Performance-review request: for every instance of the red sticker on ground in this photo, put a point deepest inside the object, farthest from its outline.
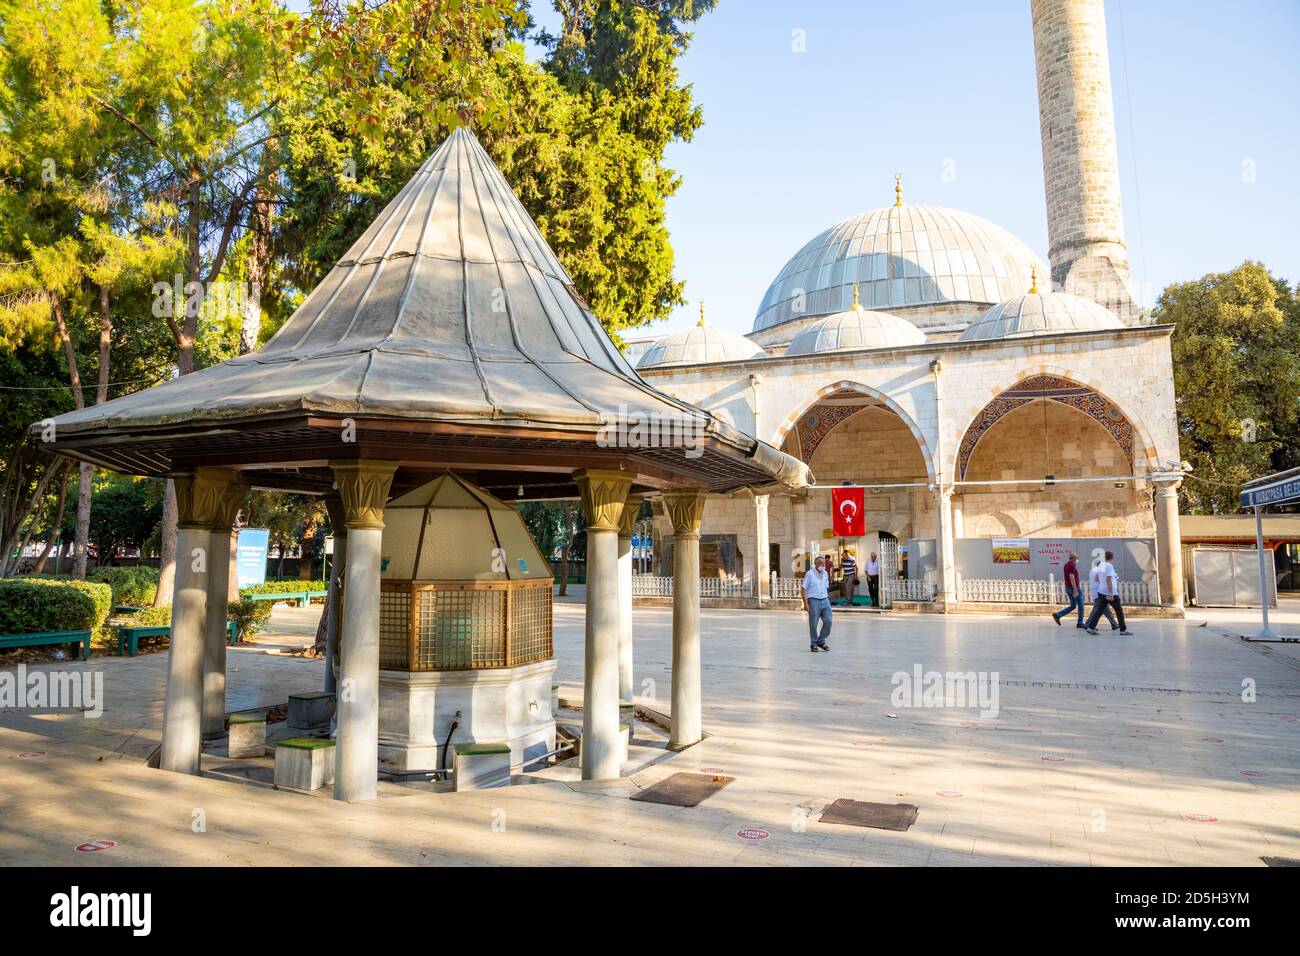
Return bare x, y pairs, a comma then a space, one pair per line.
969, 723
32, 753
713, 770
864, 743
753, 833
1200, 818
1052, 758
1213, 740
948, 793
1253, 773
94, 846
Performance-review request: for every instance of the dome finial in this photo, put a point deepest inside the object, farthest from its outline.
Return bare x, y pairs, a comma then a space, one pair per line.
856, 303
1033, 279
898, 189
701, 322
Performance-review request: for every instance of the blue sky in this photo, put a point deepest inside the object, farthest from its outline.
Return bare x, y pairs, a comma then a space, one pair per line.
794, 142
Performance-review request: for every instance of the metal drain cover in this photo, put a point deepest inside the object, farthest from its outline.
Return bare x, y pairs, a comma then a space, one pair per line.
684, 789
882, 816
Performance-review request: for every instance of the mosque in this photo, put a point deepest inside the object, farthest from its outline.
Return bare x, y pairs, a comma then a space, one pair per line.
988, 403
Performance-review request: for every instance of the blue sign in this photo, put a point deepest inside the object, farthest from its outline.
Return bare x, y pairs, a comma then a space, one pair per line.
1286, 491
250, 556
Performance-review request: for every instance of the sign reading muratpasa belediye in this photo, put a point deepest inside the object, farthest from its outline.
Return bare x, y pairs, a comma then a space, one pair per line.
1284, 490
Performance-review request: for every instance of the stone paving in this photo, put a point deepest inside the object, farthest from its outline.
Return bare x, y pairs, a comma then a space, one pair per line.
1104, 751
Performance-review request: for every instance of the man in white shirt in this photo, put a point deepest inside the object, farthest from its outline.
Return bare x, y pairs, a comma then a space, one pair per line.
817, 602
872, 571
1105, 594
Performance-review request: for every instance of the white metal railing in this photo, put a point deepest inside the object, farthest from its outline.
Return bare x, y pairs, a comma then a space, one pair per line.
654, 585
1039, 591
903, 589
786, 589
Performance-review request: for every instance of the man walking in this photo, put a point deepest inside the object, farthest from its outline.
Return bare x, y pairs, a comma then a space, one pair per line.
1072, 591
1105, 589
849, 568
872, 567
817, 602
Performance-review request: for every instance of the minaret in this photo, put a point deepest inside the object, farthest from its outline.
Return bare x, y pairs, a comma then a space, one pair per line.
1085, 224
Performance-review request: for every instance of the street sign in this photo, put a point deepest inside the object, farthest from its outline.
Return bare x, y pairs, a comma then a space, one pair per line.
250, 556
1282, 489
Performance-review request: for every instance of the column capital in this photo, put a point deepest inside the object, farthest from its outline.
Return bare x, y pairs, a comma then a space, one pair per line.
363, 491
761, 502
686, 511
631, 508
203, 498
1166, 486
603, 493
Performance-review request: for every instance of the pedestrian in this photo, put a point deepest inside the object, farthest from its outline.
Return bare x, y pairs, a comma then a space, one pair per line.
1073, 591
849, 566
817, 602
872, 567
1105, 589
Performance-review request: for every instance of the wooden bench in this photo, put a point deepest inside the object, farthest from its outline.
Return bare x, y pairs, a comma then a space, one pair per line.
129, 638
302, 597
49, 637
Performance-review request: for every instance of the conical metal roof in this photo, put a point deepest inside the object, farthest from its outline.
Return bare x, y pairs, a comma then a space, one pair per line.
450, 308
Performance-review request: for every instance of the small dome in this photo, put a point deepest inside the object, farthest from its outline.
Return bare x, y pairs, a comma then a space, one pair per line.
1040, 313
858, 328
700, 345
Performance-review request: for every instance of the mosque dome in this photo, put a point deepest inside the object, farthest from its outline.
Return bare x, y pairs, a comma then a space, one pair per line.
700, 345
858, 328
902, 256
1040, 313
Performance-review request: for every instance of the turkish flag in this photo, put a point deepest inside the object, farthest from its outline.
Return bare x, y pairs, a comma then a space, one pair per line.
849, 508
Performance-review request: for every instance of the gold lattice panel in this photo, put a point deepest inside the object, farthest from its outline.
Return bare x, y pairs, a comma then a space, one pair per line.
394, 627
530, 624
459, 628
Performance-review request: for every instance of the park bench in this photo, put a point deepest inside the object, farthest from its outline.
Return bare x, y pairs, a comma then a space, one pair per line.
129, 638
49, 637
302, 597
126, 609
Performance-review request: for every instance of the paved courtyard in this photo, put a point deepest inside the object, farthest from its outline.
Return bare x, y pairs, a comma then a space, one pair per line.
1103, 751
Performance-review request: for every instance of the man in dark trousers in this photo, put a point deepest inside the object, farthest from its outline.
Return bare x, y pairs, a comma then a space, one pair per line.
1105, 592
849, 568
872, 569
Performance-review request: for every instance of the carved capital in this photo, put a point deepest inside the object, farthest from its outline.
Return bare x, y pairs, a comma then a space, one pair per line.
760, 503
202, 498
603, 493
228, 506
686, 510
631, 508
363, 491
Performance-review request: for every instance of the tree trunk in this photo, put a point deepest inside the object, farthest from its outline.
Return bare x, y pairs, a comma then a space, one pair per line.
568, 544
167, 548
81, 538
259, 249
56, 529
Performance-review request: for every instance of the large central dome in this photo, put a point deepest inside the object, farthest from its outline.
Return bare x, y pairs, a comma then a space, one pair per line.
903, 256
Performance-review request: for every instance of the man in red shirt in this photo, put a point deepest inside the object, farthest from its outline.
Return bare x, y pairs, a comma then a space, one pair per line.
1072, 591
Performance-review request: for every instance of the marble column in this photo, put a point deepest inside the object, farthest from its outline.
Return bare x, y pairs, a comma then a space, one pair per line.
945, 592
799, 511
686, 510
762, 545
363, 491
198, 500
215, 635
603, 493
1169, 543
626, 681
338, 566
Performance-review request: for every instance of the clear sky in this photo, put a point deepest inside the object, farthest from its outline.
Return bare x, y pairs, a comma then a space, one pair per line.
1206, 108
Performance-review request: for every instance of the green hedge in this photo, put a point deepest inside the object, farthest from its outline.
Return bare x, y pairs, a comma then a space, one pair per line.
134, 586
30, 605
160, 616
281, 587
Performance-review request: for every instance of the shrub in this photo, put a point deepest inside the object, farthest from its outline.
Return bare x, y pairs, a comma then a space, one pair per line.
29, 605
160, 616
249, 616
134, 586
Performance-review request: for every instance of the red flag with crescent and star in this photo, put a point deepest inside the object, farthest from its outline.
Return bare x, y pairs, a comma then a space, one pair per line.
849, 508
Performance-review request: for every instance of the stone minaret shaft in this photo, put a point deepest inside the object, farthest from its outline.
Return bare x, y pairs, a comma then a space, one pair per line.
1085, 224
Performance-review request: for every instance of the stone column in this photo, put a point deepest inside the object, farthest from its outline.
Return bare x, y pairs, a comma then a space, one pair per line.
762, 543
799, 512
603, 495
626, 682
686, 509
945, 591
338, 522
363, 491
1169, 543
215, 634
198, 500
